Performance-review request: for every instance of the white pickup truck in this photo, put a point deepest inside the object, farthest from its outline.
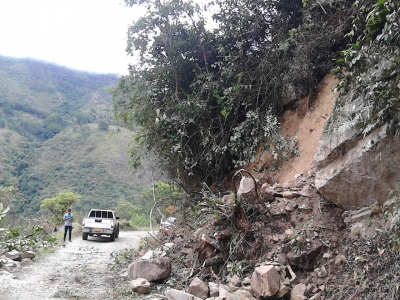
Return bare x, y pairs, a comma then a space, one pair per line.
100, 222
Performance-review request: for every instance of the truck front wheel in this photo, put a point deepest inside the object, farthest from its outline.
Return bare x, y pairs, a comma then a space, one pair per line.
84, 236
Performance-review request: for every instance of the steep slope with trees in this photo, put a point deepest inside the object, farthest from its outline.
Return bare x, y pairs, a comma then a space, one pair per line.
57, 134
224, 115
206, 98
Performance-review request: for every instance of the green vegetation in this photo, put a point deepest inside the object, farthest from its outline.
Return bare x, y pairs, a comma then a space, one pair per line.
57, 134
205, 99
155, 202
371, 62
59, 204
33, 237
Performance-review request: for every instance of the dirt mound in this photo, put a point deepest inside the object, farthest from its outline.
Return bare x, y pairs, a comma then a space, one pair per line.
289, 223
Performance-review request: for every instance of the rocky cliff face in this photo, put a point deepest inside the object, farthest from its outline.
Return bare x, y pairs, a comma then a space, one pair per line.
359, 171
358, 156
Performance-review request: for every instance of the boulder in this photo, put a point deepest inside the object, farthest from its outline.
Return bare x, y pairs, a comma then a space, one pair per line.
223, 292
26, 262
198, 288
240, 295
28, 254
14, 255
265, 281
283, 290
354, 171
173, 294
267, 192
214, 289
140, 285
298, 292
235, 280
247, 189
152, 269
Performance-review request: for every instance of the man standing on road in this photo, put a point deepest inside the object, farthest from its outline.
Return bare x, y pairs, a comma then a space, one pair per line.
68, 218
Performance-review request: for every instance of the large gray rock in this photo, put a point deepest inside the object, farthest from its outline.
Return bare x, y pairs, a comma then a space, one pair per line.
26, 262
214, 289
298, 292
265, 281
28, 254
152, 269
14, 255
247, 189
358, 172
173, 294
198, 288
240, 295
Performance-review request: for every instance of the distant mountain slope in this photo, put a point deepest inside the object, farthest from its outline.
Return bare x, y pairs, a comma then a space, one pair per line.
51, 141
82, 159
39, 99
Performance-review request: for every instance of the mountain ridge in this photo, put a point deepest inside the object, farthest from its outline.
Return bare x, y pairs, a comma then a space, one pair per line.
57, 134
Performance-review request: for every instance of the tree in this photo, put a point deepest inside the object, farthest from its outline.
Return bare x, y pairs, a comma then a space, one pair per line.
58, 205
103, 125
125, 211
204, 99
163, 193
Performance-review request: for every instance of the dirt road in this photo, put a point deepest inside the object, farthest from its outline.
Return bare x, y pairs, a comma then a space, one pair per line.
80, 270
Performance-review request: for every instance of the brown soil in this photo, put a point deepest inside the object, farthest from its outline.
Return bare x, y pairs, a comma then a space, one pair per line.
306, 121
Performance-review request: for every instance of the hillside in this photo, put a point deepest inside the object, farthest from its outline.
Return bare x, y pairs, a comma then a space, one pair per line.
313, 215
82, 159
56, 134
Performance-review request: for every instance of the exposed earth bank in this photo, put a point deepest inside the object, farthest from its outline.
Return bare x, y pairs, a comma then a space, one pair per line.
80, 270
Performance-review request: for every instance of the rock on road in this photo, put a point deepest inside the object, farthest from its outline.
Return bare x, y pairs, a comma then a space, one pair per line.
80, 270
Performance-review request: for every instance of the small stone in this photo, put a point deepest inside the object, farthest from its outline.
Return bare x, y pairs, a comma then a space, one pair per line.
26, 262
316, 297
235, 280
140, 285
198, 288
327, 255
290, 194
214, 289
376, 209
265, 281
289, 231
324, 273
176, 294
28, 254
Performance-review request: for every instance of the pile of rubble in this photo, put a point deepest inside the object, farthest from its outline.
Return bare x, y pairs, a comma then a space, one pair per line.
11, 260
284, 243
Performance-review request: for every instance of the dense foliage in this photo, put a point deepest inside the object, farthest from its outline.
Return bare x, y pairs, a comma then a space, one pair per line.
372, 65
56, 135
204, 96
59, 204
38, 100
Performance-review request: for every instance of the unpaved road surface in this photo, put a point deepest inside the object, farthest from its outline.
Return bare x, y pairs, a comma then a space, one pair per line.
80, 270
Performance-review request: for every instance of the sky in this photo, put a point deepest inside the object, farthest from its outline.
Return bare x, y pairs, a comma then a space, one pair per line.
87, 35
